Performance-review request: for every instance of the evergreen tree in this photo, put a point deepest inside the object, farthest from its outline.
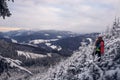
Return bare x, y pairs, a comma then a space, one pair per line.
4, 10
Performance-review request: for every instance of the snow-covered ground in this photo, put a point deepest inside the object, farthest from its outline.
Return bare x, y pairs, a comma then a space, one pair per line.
56, 47
53, 46
47, 34
48, 44
38, 41
30, 55
14, 41
59, 36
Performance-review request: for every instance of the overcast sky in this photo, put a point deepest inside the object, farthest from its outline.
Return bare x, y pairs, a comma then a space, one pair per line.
70, 15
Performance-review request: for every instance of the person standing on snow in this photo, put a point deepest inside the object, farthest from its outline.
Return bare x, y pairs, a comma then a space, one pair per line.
99, 47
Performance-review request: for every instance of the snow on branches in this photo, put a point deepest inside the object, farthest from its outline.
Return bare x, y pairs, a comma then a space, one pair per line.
8, 63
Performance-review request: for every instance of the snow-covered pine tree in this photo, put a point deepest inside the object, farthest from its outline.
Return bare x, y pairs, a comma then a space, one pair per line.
8, 63
4, 11
80, 66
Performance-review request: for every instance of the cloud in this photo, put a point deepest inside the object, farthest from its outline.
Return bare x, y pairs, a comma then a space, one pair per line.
72, 15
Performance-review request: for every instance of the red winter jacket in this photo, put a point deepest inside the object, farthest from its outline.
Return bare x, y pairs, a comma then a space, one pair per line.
102, 47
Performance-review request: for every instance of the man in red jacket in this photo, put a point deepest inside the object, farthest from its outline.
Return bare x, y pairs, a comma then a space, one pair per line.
99, 47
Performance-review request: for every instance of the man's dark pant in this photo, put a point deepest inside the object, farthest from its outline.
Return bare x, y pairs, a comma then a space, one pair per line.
98, 53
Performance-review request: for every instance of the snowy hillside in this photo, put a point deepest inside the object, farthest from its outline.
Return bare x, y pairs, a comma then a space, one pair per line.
82, 66
38, 41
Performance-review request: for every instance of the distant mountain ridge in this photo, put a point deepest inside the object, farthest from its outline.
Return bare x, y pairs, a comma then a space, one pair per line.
27, 35
61, 42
